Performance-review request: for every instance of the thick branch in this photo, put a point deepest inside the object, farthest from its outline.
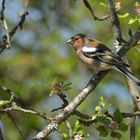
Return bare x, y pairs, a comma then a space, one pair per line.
115, 21
132, 86
134, 92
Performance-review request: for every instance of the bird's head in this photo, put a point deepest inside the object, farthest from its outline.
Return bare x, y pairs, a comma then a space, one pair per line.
77, 41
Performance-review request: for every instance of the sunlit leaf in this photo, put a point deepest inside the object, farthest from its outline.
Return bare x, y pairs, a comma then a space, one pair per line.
98, 108
123, 15
78, 130
65, 136
102, 101
4, 102
103, 4
132, 20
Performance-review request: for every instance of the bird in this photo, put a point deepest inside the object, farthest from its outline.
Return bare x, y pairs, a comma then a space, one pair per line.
98, 56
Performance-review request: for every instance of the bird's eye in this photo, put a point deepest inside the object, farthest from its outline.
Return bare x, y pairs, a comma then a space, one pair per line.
76, 39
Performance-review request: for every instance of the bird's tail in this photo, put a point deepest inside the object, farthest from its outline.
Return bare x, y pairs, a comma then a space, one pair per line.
129, 74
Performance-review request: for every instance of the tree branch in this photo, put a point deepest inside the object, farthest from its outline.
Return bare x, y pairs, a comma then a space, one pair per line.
132, 42
4, 24
87, 5
69, 130
1, 134
6, 38
134, 92
15, 107
16, 125
132, 128
115, 21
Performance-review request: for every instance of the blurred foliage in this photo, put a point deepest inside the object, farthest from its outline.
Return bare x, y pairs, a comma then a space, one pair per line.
38, 55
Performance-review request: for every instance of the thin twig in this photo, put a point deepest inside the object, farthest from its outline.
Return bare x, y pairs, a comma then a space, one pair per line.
132, 42
115, 22
18, 108
16, 125
81, 115
87, 120
134, 114
87, 5
8, 90
132, 128
4, 24
13, 96
69, 129
19, 25
63, 98
3, 41
1, 134
2, 10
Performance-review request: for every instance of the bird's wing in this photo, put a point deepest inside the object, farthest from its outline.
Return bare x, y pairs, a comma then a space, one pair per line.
103, 54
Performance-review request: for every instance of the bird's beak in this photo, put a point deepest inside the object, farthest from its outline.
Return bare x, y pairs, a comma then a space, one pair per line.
69, 41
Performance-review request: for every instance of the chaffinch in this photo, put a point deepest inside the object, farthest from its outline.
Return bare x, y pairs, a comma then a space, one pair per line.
97, 56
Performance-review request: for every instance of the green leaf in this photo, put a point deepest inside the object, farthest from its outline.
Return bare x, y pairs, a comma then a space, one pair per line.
103, 120
123, 127
98, 109
65, 136
94, 117
118, 116
123, 15
53, 92
102, 131
103, 4
96, 112
132, 20
67, 87
116, 135
102, 101
4, 102
77, 129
